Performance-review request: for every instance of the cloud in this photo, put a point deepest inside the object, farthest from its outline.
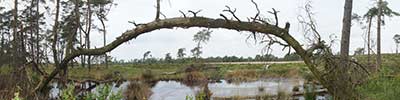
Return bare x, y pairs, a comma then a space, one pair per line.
226, 42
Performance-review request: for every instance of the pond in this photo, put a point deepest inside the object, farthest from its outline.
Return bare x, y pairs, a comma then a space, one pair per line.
175, 90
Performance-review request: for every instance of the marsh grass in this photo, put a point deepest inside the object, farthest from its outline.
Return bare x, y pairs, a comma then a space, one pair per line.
194, 78
103, 92
19, 81
380, 87
137, 91
385, 84
242, 75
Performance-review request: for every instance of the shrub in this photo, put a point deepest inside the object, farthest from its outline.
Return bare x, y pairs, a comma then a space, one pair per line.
148, 75
242, 75
380, 88
137, 91
194, 78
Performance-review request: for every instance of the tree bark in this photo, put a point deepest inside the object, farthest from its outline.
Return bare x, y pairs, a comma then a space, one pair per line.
344, 89
369, 40
104, 39
378, 39
88, 28
16, 46
187, 22
55, 35
37, 32
32, 30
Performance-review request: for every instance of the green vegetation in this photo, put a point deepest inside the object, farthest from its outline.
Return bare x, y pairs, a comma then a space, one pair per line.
380, 88
160, 71
137, 91
102, 93
227, 71
384, 85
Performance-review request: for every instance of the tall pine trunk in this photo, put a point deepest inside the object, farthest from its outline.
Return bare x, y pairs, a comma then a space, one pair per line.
378, 39
37, 32
369, 40
15, 36
55, 37
88, 28
344, 89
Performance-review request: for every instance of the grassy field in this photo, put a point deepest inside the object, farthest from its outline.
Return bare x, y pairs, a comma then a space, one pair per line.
385, 84
244, 72
382, 85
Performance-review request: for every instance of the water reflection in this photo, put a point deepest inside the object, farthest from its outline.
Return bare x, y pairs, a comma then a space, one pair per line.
257, 88
172, 90
175, 90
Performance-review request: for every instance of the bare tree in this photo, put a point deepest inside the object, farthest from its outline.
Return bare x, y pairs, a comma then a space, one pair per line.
200, 37
396, 39
256, 25
146, 55
88, 25
383, 10
181, 53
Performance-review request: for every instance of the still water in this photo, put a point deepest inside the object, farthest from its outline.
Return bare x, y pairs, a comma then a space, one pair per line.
175, 90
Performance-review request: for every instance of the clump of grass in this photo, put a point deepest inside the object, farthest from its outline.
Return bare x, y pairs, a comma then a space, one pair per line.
21, 81
261, 89
108, 76
282, 95
68, 93
7, 87
137, 91
194, 78
242, 75
309, 93
148, 75
205, 94
380, 88
104, 92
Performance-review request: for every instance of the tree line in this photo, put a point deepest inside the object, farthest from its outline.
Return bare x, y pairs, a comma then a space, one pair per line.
42, 31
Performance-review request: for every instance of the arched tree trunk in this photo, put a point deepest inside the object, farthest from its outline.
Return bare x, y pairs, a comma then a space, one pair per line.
187, 22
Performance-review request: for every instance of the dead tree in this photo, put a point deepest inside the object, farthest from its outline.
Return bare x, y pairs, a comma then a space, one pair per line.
256, 25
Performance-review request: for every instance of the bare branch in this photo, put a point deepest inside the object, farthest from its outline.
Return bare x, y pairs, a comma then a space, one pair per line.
275, 13
184, 15
194, 13
258, 10
158, 11
223, 16
232, 12
134, 23
165, 17
185, 23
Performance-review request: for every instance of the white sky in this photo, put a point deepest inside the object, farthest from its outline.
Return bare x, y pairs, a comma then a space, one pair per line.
328, 14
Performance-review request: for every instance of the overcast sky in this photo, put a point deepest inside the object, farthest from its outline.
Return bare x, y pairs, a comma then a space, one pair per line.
328, 14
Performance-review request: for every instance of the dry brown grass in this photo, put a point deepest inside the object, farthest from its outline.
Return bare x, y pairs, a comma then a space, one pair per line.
242, 75
137, 91
7, 87
19, 82
194, 78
